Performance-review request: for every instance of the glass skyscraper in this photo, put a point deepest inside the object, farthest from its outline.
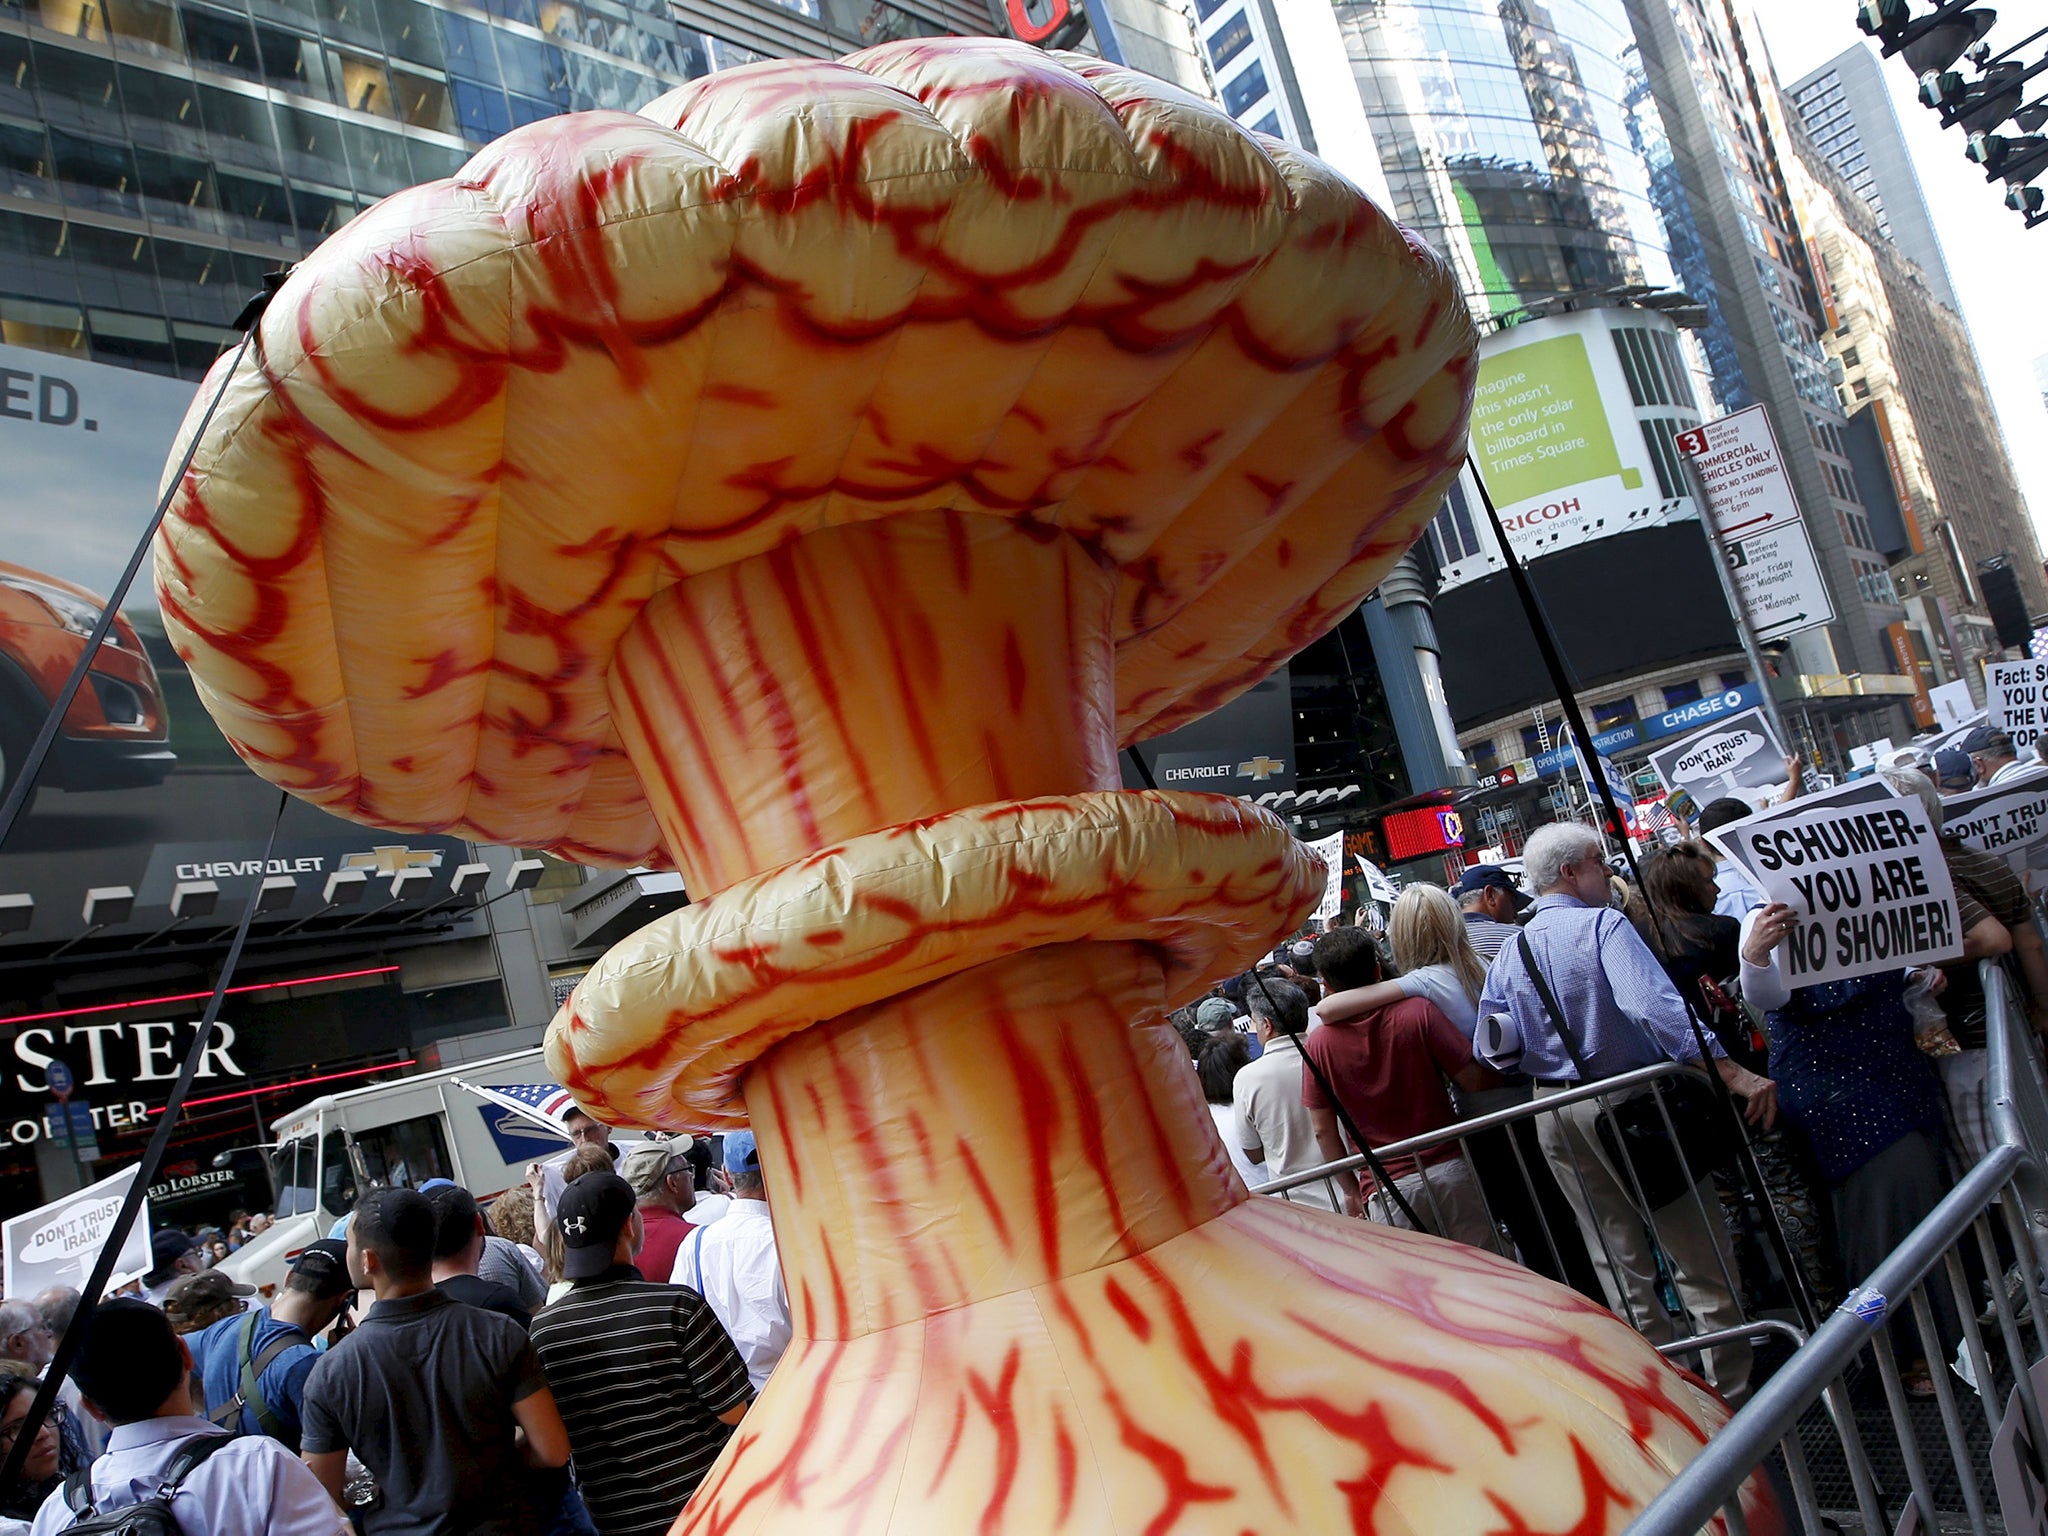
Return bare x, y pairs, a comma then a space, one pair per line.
1506, 130
157, 157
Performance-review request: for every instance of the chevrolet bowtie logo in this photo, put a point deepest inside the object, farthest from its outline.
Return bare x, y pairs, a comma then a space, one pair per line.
391, 858
1261, 768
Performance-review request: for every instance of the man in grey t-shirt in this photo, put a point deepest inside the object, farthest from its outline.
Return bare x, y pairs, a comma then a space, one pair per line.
444, 1403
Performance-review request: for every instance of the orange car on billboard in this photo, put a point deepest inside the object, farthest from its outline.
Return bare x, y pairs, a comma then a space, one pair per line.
116, 734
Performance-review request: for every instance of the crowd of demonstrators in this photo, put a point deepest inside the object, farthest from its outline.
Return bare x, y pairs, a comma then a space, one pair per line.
443, 1403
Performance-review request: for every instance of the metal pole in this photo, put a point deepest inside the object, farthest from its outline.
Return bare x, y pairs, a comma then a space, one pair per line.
1743, 627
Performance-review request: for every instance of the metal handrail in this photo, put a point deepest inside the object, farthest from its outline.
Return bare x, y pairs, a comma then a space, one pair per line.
1713, 1479
1457, 1130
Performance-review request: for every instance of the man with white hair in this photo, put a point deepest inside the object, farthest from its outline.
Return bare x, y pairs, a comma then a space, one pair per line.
1618, 1012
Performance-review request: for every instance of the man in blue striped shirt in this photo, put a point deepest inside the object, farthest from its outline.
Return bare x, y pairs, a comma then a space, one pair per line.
1622, 1013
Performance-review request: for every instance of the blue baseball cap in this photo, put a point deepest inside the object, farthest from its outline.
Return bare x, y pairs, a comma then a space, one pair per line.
741, 1155
1952, 770
433, 1184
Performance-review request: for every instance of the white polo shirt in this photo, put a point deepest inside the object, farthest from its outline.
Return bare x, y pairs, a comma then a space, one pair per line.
253, 1487
731, 1263
1266, 1099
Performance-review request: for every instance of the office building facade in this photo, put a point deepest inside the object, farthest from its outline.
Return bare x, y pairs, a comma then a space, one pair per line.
1910, 380
157, 157
1848, 110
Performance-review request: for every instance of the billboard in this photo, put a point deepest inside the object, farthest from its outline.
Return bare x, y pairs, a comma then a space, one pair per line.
1556, 438
1245, 748
1620, 606
141, 793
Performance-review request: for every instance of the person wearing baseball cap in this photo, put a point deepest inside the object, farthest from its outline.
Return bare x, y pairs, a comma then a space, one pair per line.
199, 1301
732, 1264
616, 1337
666, 1187
254, 1365
1490, 901
1991, 751
172, 1255
1952, 771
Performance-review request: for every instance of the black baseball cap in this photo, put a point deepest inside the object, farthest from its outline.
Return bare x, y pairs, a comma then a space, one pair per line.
1490, 877
591, 1214
324, 1265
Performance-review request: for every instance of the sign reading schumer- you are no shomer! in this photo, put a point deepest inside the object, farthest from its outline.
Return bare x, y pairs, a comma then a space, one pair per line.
1866, 878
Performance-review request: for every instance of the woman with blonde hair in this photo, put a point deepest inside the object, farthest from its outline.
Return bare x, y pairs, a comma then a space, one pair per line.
1432, 947
1437, 961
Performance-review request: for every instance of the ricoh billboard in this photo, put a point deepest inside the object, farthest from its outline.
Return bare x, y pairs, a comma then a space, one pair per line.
141, 794
1571, 418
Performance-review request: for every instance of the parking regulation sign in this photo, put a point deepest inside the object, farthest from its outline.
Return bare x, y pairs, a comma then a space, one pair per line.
1778, 581
1742, 473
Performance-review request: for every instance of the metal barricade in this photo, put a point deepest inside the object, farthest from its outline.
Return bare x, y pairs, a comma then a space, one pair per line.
1959, 1461
1669, 1271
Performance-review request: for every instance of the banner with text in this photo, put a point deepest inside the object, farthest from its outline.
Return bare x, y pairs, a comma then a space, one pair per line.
1868, 883
1731, 756
2011, 820
2016, 693
1331, 851
58, 1243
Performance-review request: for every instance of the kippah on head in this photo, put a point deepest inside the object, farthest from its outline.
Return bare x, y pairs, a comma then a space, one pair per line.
128, 1360
1724, 812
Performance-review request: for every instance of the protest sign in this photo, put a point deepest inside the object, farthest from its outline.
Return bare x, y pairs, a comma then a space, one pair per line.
1331, 851
57, 1244
1867, 882
1737, 753
1952, 704
2011, 820
2016, 694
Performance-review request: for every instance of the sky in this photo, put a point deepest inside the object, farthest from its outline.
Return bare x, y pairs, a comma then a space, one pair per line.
1991, 253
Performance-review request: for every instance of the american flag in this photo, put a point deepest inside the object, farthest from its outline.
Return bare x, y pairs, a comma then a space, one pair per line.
543, 1102
1657, 819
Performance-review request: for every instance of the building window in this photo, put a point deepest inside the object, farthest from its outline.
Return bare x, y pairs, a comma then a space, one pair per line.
1230, 39
1614, 712
1452, 528
1245, 89
1734, 679
1680, 693
1658, 433
1859, 389
1484, 756
1850, 359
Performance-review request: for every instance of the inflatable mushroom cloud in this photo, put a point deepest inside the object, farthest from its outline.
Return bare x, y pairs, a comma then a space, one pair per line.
811, 483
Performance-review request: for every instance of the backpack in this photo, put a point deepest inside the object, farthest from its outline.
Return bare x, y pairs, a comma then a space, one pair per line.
150, 1517
229, 1414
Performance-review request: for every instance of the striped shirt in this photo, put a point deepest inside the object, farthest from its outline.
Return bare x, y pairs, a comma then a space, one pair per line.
640, 1372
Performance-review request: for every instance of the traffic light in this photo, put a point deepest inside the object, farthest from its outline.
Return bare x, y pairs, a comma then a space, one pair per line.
1884, 20
1935, 42
2017, 160
1932, 43
1979, 106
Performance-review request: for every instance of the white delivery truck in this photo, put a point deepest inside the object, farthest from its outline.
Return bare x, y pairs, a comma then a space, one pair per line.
399, 1133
